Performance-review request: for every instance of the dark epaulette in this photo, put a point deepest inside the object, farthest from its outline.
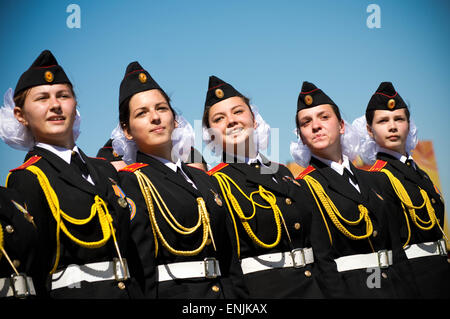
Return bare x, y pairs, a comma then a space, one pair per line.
32, 160
377, 166
216, 168
133, 167
305, 172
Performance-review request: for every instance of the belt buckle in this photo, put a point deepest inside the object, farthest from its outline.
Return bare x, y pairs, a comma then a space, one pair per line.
296, 254
211, 266
19, 284
383, 258
442, 247
120, 273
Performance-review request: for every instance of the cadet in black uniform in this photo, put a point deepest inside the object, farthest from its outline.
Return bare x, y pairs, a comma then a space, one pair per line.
18, 248
178, 224
351, 235
107, 152
270, 221
82, 220
420, 205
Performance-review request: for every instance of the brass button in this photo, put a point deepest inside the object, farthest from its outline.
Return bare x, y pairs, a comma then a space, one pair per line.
433, 201
215, 288
256, 166
16, 263
9, 229
121, 285
384, 275
307, 273
297, 226
288, 201
448, 260
375, 233
408, 163
122, 202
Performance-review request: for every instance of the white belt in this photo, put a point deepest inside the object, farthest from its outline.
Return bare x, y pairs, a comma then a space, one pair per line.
432, 248
296, 258
19, 286
73, 275
382, 259
207, 268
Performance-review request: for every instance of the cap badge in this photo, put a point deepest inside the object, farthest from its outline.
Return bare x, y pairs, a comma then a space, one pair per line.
391, 104
219, 93
142, 77
48, 76
308, 99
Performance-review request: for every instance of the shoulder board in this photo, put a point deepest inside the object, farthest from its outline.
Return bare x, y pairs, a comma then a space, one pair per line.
216, 168
32, 160
378, 166
305, 172
133, 167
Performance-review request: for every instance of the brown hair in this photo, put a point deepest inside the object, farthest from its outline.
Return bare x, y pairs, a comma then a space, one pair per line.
124, 109
370, 115
205, 121
19, 99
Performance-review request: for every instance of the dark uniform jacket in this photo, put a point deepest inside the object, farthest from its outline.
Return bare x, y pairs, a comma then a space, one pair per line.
432, 273
76, 196
19, 240
391, 282
288, 282
180, 197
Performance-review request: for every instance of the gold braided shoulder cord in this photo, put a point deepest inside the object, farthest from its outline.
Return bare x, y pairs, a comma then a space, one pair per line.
319, 194
150, 194
407, 205
98, 208
233, 205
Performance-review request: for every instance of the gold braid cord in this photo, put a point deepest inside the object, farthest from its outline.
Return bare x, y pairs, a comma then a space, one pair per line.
408, 206
151, 194
319, 194
233, 205
98, 208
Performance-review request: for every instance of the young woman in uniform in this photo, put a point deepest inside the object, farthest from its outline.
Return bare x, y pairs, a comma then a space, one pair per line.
83, 226
178, 218
270, 219
351, 230
389, 135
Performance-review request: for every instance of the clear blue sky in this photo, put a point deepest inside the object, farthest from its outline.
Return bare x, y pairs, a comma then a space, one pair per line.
266, 49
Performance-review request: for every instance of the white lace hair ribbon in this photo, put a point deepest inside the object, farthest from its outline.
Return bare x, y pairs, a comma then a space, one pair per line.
349, 143
368, 148
182, 141
16, 135
261, 134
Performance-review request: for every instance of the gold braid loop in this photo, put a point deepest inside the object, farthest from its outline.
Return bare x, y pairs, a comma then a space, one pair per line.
233, 205
407, 205
319, 194
99, 209
150, 194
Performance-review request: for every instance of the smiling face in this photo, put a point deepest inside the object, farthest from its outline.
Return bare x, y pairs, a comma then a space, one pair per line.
320, 130
49, 112
151, 123
233, 121
390, 129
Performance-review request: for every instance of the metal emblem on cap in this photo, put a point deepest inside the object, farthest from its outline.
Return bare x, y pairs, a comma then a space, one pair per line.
308, 99
391, 104
219, 93
48, 76
142, 77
